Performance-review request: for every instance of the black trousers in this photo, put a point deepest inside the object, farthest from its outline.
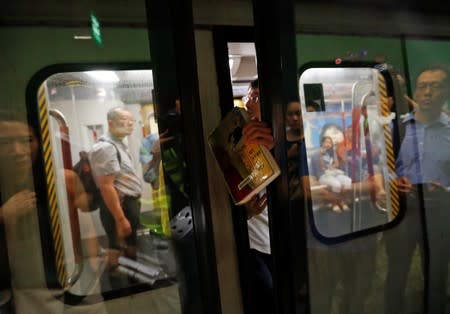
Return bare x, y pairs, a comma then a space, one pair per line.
412, 232
132, 208
261, 295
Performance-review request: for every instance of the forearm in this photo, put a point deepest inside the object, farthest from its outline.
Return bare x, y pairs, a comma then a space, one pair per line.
256, 205
366, 185
112, 202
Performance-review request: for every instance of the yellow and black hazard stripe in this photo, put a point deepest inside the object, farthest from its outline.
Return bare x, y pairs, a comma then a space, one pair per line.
51, 187
390, 156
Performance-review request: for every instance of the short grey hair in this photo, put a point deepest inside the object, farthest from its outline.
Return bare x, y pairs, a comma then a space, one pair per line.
113, 113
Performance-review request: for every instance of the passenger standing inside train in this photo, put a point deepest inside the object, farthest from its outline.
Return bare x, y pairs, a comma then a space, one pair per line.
423, 165
261, 295
296, 151
118, 182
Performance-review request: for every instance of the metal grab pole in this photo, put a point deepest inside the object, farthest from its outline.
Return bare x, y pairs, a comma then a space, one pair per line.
368, 142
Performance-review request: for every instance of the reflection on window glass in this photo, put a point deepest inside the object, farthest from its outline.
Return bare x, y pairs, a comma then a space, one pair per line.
110, 181
18, 151
346, 150
424, 177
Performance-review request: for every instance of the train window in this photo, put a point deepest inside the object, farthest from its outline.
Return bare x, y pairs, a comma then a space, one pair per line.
242, 62
99, 131
349, 147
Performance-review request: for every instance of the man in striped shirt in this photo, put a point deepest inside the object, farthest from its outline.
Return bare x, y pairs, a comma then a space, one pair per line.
118, 182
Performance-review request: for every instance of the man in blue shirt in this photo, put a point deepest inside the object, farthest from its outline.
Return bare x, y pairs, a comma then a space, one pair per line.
150, 156
423, 169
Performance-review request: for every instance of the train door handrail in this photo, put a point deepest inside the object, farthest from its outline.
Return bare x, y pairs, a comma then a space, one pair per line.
74, 221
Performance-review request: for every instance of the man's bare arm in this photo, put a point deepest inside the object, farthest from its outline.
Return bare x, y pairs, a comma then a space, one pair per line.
112, 201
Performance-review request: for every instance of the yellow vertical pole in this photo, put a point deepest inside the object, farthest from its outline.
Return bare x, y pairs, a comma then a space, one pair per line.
390, 156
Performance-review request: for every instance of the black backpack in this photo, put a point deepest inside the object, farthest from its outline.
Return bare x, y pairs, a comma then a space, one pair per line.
84, 170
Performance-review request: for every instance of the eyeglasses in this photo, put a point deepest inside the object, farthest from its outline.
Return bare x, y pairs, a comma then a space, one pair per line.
127, 120
247, 98
433, 86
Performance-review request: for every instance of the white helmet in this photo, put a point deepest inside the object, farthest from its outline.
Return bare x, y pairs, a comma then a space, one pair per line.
181, 224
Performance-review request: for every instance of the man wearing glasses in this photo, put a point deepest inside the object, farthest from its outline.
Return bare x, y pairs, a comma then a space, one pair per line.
423, 169
261, 295
118, 182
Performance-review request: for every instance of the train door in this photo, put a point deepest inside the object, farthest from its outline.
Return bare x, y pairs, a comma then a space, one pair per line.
354, 235
382, 237
360, 272
286, 258
61, 253
345, 113
235, 61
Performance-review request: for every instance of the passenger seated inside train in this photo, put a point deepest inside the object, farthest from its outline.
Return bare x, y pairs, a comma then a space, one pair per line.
325, 166
339, 167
